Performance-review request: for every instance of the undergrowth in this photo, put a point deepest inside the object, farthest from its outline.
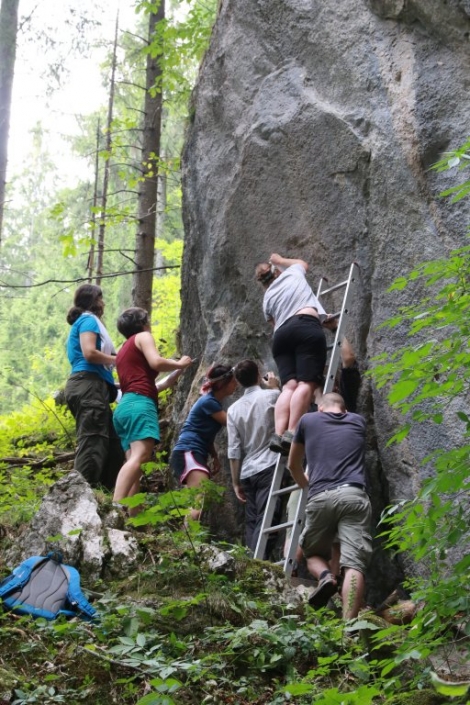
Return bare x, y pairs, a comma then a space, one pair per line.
175, 632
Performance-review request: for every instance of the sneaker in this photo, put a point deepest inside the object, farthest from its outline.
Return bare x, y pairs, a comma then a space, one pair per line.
275, 444
286, 440
325, 589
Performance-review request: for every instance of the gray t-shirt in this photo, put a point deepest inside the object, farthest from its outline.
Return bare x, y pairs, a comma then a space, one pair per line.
287, 294
334, 448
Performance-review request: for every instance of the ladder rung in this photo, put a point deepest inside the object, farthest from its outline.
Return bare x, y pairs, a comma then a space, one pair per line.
333, 288
285, 490
278, 527
334, 351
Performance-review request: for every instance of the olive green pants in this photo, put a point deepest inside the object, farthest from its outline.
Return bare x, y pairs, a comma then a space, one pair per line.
99, 453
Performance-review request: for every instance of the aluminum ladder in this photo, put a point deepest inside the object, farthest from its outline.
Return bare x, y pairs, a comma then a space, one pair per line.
276, 490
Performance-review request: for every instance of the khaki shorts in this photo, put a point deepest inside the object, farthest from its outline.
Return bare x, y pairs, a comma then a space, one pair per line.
342, 514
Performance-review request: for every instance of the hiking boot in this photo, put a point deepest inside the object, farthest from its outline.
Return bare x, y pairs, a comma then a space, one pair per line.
286, 440
275, 444
325, 589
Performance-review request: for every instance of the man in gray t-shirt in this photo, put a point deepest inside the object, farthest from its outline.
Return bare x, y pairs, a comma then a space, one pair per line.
333, 442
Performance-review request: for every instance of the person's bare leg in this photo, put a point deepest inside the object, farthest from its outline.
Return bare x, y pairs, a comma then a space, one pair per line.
327, 585
300, 402
140, 452
135, 489
317, 395
335, 557
352, 592
316, 566
282, 408
194, 479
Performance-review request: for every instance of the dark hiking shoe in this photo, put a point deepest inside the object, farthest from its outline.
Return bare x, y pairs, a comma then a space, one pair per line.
325, 589
275, 444
286, 440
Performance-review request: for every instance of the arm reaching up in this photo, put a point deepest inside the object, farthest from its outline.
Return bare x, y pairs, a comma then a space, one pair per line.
285, 262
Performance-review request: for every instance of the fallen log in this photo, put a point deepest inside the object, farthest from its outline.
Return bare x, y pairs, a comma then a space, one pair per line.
48, 462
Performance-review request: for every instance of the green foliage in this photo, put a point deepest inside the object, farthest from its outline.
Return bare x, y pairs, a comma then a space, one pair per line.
35, 433
166, 299
47, 223
436, 366
168, 509
428, 380
180, 44
453, 690
457, 158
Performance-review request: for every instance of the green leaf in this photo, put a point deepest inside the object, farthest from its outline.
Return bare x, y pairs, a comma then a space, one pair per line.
298, 688
401, 390
361, 624
141, 640
449, 688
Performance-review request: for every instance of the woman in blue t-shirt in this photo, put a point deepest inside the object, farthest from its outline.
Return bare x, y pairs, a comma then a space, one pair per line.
90, 389
189, 460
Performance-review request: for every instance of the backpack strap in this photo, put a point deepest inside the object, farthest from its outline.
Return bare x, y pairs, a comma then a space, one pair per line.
75, 595
20, 576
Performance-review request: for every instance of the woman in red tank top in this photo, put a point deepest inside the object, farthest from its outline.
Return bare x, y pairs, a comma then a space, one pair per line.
138, 364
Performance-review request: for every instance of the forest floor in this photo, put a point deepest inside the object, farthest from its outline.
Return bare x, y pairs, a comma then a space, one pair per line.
176, 633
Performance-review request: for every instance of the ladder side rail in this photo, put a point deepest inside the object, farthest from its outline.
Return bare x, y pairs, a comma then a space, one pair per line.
320, 284
332, 368
266, 527
345, 309
286, 524
270, 507
296, 531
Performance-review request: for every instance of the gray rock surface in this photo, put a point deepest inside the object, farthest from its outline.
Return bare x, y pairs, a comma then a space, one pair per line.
88, 537
314, 125
217, 561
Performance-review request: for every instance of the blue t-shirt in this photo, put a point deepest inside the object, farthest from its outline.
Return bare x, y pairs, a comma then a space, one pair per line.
200, 429
85, 324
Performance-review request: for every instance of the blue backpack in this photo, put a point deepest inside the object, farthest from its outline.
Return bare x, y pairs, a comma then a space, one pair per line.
44, 587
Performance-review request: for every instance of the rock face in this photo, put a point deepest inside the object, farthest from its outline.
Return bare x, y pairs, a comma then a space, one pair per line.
89, 538
313, 128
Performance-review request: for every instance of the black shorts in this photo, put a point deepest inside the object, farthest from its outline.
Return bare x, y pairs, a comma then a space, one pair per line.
299, 349
349, 383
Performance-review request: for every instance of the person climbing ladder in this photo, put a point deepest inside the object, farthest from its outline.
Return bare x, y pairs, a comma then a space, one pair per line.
299, 344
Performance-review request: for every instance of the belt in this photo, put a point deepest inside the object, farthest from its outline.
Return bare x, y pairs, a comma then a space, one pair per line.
357, 485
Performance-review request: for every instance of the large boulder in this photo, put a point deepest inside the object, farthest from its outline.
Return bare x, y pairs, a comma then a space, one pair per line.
313, 127
89, 536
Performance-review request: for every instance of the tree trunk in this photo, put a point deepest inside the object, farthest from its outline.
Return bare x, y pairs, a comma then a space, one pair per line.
8, 30
107, 163
147, 210
91, 254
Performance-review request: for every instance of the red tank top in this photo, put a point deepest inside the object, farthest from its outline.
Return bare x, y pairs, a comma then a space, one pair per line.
134, 372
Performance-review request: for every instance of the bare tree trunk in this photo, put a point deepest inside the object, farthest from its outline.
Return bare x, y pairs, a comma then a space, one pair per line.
8, 31
161, 197
147, 211
108, 147
91, 254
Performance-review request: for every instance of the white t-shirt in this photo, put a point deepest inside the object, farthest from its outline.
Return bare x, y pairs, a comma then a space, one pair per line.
289, 293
